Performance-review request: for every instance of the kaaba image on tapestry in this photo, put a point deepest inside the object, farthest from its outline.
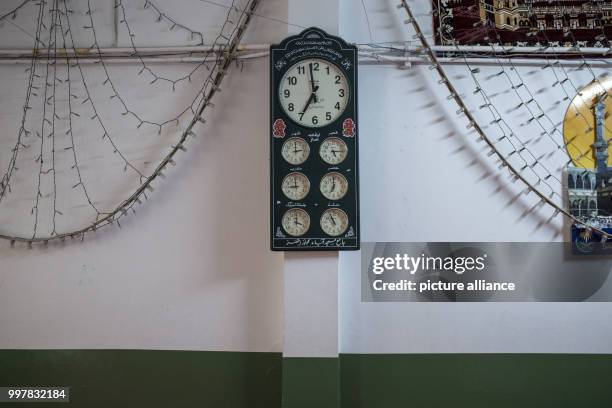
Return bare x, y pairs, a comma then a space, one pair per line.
565, 23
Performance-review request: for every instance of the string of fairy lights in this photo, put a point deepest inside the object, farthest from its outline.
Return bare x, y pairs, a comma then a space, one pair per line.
517, 173
5, 185
95, 115
560, 81
554, 66
55, 20
533, 99
518, 146
128, 110
65, 30
538, 114
12, 14
161, 16
60, 31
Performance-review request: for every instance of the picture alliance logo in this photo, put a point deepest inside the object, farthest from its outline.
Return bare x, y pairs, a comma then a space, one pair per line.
413, 265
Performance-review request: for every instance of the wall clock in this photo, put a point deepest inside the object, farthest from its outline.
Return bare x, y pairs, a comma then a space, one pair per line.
314, 144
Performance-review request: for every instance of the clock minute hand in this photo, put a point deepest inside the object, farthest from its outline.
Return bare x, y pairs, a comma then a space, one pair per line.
312, 83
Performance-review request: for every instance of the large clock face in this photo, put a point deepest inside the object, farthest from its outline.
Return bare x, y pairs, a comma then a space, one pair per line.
314, 92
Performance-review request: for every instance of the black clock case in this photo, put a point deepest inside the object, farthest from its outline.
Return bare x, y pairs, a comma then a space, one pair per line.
313, 43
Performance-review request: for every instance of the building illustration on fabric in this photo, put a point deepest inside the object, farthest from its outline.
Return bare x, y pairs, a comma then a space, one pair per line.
590, 191
589, 176
524, 22
517, 14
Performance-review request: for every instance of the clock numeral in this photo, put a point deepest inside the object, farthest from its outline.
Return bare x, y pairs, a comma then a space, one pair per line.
327, 69
292, 80
315, 120
301, 115
315, 66
290, 107
341, 93
338, 79
301, 70
337, 106
328, 116
287, 93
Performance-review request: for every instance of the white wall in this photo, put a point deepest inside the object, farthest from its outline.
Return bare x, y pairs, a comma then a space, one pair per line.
192, 269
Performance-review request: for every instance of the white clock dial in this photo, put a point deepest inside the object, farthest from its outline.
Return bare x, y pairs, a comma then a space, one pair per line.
333, 150
334, 222
295, 150
296, 222
295, 186
334, 186
314, 92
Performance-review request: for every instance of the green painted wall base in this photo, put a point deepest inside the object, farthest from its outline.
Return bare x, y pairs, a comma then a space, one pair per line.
311, 382
476, 381
132, 378
139, 378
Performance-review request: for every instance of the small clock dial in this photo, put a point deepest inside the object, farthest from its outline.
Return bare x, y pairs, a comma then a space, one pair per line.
295, 150
296, 222
333, 150
295, 186
334, 186
334, 222
314, 92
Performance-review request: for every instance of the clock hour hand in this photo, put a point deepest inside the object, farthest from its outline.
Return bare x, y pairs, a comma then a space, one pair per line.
309, 101
295, 149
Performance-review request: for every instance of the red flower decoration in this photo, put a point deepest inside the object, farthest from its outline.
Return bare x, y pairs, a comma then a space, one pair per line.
348, 127
278, 129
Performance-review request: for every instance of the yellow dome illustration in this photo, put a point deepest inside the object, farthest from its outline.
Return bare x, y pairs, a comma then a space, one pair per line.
579, 132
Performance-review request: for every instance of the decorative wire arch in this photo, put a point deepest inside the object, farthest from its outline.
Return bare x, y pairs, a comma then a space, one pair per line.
54, 18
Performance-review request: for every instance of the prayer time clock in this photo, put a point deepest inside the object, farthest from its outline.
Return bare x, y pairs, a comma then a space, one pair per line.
314, 144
